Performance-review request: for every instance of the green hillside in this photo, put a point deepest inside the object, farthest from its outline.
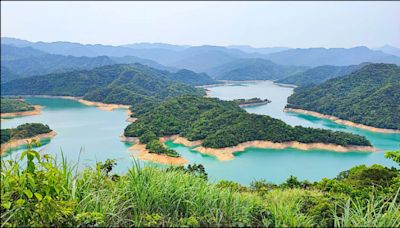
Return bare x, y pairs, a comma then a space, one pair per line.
318, 75
370, 96
252, 69
223, 124
122, 84
192, 78
26, 130
14, 105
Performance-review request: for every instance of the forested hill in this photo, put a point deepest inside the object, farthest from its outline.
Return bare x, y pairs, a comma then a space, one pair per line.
253, 69
192, 78
223, 124
370, 96
319, 74
122, 84
15, 105
23, 131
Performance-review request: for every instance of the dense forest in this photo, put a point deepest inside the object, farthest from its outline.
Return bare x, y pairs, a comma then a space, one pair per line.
253, 69
318, 75
15, 105
370, 96
223, 124
26, 130
122, 84
46, 192
192, 78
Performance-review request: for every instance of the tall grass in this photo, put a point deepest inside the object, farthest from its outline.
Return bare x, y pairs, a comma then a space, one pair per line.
376, 212
286, 207
147, 196
47, 193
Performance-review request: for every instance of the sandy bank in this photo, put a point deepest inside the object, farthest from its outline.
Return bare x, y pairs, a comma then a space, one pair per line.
180, 140
103, 106
37, 110
49, 96
343, 122
227, 153
123, 138
144, 154
19, 142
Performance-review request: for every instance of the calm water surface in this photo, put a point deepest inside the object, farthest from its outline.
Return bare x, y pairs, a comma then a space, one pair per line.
95, 133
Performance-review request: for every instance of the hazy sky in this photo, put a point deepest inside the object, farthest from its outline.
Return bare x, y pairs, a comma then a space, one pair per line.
260, 24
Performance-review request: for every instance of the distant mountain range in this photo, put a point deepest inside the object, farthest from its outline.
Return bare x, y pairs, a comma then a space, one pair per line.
389, 50
204, 58
370, 96
331, 56
20, 62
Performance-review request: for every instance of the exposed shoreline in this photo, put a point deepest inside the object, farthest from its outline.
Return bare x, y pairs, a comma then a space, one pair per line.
99, 105
341, 121
36, 111
227, 153
19, 142
104, 106
144, 154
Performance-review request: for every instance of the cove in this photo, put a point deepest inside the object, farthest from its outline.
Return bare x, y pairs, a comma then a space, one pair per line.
97, 132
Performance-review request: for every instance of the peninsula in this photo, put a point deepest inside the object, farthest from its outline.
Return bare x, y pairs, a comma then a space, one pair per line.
17, 107
21, 135
214, 126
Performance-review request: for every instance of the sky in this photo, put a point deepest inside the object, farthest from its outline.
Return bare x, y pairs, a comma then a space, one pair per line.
259, 24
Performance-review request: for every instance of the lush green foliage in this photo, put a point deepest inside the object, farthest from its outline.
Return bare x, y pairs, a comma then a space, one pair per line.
122, 84
318, 75
369, 96
14, 105
192, 78
26, 130
46, 193
394, 155
223, 123
155, 146
253, 69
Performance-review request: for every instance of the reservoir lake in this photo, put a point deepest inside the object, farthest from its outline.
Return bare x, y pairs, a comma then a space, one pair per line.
86, 134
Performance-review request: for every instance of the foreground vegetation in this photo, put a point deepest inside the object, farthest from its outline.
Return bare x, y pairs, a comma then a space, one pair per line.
15, 105
352, 97
223, 124
43, 192
24, 131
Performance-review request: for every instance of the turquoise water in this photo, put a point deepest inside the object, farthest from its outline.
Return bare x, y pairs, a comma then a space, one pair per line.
96, 132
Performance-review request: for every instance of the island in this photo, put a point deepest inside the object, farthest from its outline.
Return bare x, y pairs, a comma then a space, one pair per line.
251, 102
13, 107
368, 98
220, 128
24, 133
